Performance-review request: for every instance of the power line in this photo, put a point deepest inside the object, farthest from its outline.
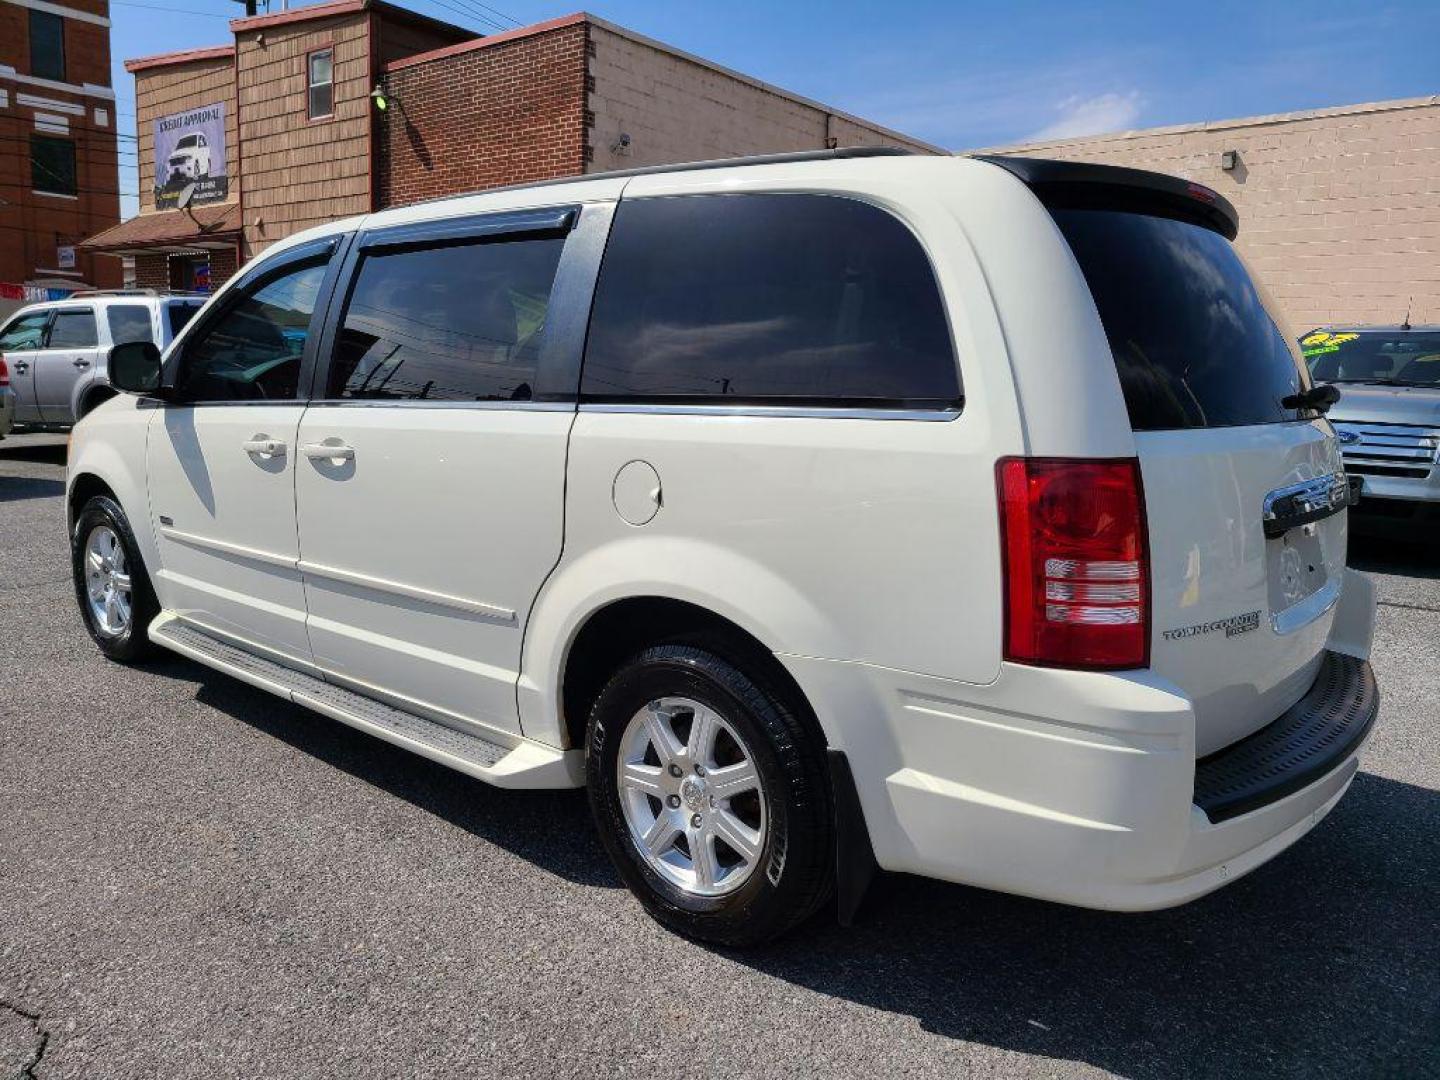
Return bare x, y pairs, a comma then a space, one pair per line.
175, 10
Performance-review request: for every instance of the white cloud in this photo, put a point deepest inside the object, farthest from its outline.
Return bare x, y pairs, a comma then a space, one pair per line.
1092, 116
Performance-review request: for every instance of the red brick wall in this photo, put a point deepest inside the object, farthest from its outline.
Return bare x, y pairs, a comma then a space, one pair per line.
505, 113
33, 226
158, 272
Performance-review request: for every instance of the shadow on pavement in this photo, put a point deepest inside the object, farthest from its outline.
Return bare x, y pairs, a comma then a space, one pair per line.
1418, 558
539, 826
17, 488
50, 452
1324, 962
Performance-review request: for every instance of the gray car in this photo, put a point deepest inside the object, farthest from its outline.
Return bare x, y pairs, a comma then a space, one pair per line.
58, 353
1388, 416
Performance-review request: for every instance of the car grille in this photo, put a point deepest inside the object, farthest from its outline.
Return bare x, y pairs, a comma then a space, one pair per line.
1399, 450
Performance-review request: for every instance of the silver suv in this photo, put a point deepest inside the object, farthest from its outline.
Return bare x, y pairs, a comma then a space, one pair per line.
58, 353
1388, 415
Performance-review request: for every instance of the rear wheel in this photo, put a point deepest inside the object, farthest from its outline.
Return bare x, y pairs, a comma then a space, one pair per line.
111, 586
710, 797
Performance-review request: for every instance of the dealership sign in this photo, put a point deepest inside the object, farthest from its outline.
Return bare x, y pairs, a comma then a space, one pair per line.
190, 153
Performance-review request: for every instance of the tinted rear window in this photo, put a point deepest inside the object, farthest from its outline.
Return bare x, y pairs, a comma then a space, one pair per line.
129, 322
180, 314
780, 299
1194, 342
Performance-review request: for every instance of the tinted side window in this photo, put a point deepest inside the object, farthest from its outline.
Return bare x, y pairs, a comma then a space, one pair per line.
253, 351
460, 323
767, 298
26, 332
73, 330
129, 322
179, 315
1194, 342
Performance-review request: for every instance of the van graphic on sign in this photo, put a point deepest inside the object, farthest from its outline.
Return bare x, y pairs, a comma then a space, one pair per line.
191, 159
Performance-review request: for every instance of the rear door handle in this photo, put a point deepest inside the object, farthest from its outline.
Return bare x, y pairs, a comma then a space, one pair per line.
21, 367
264, 447
329, 452
78, 362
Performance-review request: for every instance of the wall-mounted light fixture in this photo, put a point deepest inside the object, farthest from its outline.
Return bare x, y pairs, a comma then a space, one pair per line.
379, 98
1229, 159
622, 144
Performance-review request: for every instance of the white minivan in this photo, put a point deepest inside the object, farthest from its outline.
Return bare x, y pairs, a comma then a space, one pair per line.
972, 518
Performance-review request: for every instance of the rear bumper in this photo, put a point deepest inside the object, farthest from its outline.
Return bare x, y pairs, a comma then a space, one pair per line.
1082, 787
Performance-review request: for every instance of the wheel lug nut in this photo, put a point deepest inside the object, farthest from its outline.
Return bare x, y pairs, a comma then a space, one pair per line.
676, 771
673, 801
695, 821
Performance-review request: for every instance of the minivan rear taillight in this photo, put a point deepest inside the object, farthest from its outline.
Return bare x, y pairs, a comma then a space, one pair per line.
1077, 574
4, 373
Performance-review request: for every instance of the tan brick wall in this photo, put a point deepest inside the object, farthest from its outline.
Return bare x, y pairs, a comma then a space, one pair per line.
506, 113
1339, 208
175, 88
679, 108
300, 172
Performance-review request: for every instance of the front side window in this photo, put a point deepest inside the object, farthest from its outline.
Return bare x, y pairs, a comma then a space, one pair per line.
320, 83
47, 45
459, 323
129, 322
73, 330
52, 165
25, 333
778, 299
254, 350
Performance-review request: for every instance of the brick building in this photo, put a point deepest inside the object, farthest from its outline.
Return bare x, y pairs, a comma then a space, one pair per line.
1339, 208
58, 162
293, 102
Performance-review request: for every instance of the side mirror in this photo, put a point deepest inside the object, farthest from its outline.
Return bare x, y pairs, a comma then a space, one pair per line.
135, 367
1319, 398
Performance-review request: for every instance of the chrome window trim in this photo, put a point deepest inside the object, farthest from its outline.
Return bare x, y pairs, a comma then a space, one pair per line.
808, 412
412, 403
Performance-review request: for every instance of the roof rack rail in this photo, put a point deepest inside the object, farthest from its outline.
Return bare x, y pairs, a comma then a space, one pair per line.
86, 293
692, 166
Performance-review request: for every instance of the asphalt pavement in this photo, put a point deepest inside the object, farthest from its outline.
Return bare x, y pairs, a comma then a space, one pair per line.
200, 880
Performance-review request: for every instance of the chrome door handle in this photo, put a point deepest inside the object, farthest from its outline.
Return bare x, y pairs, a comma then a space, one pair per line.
329, 452
21, 367
80, 363
264, 447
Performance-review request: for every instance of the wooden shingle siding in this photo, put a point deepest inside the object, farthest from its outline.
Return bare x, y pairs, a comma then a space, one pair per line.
301, 172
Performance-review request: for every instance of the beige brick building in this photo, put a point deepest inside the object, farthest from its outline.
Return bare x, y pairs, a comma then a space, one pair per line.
1339, 208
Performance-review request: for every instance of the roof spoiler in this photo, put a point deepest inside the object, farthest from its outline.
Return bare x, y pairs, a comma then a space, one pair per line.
1081, 185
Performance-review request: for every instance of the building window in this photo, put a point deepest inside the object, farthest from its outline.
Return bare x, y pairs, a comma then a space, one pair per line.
52, 165
320, 83
47, 45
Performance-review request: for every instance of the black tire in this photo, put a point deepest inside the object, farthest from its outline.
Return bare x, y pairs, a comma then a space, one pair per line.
795, 874
133, 644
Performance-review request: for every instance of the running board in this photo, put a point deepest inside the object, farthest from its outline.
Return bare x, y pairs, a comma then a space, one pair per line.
522, 763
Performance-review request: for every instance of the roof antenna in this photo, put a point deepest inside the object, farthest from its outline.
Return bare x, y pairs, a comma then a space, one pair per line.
1406, 324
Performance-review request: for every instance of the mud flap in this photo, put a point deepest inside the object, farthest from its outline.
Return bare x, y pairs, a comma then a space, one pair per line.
855, 864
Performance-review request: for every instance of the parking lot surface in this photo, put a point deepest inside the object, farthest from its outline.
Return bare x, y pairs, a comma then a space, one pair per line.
198, 879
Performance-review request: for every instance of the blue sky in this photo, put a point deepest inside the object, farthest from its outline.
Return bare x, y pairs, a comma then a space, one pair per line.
965, 75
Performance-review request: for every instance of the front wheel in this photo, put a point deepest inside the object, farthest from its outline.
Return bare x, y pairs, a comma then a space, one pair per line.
111, 586
710, 796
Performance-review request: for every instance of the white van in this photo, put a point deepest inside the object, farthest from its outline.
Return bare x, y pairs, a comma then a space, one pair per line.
972, 518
